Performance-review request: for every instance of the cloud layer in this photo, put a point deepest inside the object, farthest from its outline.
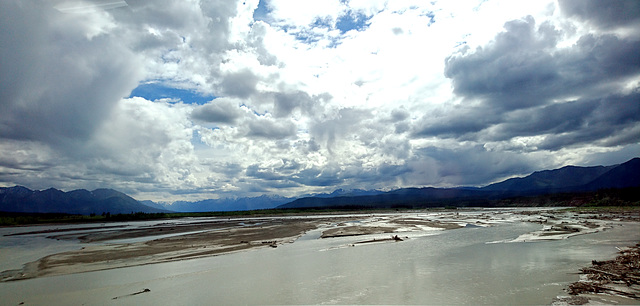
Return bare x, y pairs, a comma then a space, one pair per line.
276, 97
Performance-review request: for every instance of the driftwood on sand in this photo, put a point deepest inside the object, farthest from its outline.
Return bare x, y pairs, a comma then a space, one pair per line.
132, 294
619, 276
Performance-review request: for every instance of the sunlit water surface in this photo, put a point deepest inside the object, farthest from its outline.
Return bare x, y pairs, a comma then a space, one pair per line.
447, 267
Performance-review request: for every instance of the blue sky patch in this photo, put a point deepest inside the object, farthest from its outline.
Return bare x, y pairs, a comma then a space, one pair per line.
155, 91
261, 12
308, 37
352, 21
432, 18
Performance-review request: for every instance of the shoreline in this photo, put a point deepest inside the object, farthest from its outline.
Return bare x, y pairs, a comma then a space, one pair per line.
617, 278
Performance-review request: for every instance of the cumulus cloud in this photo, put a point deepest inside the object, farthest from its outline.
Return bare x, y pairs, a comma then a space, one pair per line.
288, 101
301, 98
602, 13
269, 128
591, 119
521, 83
218, 111
508, 72
52, 93
455, 121
240, 84
522, 68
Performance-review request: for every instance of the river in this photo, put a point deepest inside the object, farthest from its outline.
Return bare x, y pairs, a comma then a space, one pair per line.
460, 266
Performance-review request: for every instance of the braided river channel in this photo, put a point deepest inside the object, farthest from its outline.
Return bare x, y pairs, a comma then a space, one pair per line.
468, 265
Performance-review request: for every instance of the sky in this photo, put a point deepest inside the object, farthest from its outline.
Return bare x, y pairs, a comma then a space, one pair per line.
186, 100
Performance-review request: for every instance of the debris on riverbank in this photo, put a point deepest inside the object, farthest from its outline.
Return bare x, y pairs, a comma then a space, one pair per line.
132, 294
377, 240
616, 277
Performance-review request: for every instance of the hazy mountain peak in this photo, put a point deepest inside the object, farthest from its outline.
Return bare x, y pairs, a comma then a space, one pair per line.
80, 201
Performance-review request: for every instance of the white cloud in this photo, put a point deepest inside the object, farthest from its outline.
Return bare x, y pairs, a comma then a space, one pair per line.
303, 13
303, 107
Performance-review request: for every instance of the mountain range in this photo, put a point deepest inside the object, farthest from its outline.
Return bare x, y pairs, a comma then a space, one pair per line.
230, 204
83, 202
250, 203
569, 179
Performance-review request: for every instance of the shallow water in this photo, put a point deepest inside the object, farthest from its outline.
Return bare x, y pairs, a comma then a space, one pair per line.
443, 267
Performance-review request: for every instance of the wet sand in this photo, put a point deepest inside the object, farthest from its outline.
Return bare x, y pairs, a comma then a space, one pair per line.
171, 242
211, 238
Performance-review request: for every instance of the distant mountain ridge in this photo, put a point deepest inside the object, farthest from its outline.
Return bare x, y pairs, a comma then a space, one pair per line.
347, 193
250, 203
565, 179
403, 197
81, 201
623, 176
229, 204
572, 178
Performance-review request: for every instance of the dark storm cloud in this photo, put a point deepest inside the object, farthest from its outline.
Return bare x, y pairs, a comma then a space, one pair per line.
605, 14
51, 93
519, 83
574, 122
522, 68
455, 122
611, 117
218, 111
596, 66
554, 118
509, 72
